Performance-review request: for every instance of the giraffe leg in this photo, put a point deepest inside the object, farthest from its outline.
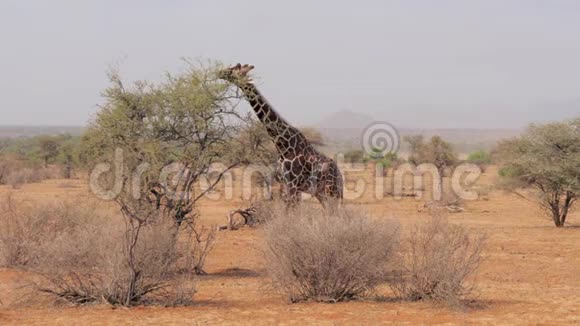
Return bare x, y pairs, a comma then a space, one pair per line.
291, 196
329, 192
329, 203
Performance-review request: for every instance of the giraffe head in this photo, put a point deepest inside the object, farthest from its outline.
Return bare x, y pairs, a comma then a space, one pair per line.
237, 74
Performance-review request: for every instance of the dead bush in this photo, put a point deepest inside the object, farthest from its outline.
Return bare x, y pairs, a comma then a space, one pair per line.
15, 239
449, 202
19, 175
85, 255
311, 255
264, 210
37, 235
200, 241
181, 292
17, 178
258, 213
149, 276
7, 163
437, 259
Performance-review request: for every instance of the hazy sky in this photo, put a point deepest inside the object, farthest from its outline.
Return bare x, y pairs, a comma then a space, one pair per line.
413, 63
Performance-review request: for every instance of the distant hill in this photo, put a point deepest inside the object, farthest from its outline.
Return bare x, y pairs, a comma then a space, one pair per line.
31, 131
345, 119
343, 131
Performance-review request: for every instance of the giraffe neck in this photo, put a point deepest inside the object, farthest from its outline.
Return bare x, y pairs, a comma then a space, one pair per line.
288, 140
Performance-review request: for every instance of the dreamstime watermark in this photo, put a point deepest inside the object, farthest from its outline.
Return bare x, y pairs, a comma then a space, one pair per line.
240, 183
380, 138
370, 181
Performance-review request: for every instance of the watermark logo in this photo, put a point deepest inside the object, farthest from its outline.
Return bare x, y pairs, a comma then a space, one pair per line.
380, 138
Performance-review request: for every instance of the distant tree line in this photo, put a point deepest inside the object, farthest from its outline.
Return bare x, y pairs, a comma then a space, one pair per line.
43, 149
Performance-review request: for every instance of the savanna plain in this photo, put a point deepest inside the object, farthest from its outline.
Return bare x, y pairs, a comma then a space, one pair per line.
528, 273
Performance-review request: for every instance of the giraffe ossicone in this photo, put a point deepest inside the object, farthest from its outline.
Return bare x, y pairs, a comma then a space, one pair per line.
304, 169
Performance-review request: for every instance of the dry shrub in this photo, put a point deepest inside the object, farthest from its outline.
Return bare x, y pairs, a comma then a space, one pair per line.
17, 178
141, 266
258, 213
17, 236
146, 276
181, 292
199, 242
85, 255
16, 173
448, 203
311, 255
37, 235
264, 210
51, 172
437, 259
8, 163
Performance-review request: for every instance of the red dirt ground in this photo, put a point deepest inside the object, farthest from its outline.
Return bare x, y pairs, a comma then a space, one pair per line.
530, 276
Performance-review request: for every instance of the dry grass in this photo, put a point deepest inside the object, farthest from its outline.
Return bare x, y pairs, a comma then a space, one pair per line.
437, 260
264, 210
329, 258
521, 280
16, 173
84, 256
200, 241
44, 235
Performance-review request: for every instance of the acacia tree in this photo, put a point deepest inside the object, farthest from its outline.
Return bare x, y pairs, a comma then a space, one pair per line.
355, 156
49, 148
256, 140
162, 138
416, 144
546, 158
436, 151
480, 157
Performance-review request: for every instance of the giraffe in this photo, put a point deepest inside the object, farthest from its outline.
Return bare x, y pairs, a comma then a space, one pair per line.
304, 169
